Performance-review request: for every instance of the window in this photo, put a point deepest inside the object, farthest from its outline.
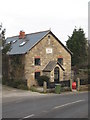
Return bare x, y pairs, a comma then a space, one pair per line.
9, 42
49, 40
37, 61
49, 37
23, 43
14, 41
37, 74
56, 74
60, 60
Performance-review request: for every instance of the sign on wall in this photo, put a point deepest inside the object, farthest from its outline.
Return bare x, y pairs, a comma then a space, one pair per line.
48, 50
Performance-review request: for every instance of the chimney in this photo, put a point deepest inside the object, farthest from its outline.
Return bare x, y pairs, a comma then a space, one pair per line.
21, 35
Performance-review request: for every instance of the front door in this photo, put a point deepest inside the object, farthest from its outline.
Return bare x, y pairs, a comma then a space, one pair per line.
56, 75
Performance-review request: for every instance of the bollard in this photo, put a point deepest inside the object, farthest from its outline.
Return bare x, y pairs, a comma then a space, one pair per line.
44, 86
71, 84
78, 84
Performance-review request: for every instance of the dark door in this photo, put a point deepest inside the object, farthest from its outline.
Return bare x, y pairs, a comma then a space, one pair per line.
56, 75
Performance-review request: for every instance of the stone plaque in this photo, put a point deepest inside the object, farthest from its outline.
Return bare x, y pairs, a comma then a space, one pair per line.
48, 50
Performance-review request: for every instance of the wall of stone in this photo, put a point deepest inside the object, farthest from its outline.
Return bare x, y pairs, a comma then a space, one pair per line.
48, 50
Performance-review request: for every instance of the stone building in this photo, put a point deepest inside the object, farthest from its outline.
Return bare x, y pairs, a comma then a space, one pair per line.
42, 53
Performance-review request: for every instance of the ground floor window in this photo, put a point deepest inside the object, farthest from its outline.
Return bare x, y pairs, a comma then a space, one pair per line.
37, 74
56, 74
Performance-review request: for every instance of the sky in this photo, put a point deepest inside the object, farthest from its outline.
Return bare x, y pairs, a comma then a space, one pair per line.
61, 16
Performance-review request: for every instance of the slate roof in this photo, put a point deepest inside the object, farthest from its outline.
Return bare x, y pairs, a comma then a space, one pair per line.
31, 40
51, 65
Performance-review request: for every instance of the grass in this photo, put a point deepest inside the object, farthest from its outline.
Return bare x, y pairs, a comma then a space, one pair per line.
63, 89
35, 89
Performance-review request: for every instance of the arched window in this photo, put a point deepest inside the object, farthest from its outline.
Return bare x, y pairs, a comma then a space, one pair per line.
56, 75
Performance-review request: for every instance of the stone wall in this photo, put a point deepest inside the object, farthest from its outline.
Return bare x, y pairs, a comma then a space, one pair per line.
48, 50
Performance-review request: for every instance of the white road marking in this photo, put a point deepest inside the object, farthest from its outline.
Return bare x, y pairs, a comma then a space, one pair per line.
29, 116
68, 104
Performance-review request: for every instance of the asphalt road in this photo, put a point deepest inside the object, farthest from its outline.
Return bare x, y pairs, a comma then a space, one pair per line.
71, 105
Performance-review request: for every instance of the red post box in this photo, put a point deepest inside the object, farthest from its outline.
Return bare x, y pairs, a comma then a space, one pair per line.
74, 85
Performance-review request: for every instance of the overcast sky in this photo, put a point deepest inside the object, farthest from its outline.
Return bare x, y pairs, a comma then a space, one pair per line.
37, 15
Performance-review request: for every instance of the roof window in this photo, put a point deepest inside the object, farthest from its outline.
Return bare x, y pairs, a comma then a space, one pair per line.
9, 42
14, 41
23, 43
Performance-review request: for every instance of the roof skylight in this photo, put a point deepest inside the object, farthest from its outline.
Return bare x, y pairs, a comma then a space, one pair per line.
14, 41
9, 42
23, 43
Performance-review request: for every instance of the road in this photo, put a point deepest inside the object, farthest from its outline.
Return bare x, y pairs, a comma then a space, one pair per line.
71, 105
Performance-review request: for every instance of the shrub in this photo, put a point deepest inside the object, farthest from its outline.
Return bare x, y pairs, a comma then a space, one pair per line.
21, 84
3, 81
33, 89
41, 79
7, 82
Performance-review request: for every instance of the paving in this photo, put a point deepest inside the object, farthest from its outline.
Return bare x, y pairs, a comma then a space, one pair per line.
6, 91
8, 94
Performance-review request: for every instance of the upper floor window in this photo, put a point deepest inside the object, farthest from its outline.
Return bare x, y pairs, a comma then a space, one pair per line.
23, 43
49, 39
37, 61
60, 60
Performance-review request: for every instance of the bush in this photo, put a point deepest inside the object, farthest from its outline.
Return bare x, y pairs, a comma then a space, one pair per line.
21, 84
41, 79
36, 89
7, 82
33, 89
3, 81
17, 83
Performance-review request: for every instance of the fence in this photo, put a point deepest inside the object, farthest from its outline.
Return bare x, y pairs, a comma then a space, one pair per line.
65, 83
84, 81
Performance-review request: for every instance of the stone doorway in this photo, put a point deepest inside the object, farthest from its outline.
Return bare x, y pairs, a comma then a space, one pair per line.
56, 75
